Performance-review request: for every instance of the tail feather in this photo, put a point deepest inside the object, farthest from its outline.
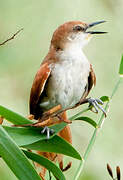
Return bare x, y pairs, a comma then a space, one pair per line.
65, 134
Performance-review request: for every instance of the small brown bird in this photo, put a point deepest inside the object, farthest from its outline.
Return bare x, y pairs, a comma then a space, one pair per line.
64, 78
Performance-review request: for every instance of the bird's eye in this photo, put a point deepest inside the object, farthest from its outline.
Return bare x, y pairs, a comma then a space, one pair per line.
78, 28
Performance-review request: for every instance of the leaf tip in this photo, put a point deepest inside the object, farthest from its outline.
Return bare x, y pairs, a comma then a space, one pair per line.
121, 67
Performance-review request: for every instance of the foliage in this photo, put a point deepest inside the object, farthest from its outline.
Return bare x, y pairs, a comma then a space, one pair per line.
11, 138
99, 124
14, 139
31, 138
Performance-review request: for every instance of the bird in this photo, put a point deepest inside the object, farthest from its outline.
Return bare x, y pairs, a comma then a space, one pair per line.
65, 77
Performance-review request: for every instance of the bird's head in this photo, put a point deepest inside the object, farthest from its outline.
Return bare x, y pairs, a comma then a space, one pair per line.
73, 32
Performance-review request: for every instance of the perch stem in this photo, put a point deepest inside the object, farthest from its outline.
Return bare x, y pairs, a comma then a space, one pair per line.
93, 138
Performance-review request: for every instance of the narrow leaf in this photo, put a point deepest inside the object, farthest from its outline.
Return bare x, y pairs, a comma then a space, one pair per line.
121, 67
13, 117
31, 138
88, 120
55, 144
45, 163
15, 158
23, 136
28, 135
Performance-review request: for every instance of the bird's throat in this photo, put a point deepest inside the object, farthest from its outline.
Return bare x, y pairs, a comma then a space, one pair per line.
71, 52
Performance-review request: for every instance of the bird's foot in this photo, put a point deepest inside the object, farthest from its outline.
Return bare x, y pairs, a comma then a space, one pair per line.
96, 103
48, 131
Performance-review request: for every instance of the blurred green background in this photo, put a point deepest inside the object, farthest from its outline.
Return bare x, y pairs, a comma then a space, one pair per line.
21, 57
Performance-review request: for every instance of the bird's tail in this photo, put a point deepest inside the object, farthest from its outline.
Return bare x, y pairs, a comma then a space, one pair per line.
65, 134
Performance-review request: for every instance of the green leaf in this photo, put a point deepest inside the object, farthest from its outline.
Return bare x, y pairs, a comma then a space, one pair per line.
105, 98
31, 138
13, 117
58, 127
23, 136
121, 67
46, 163
55, 144
15, 158
88, 120
79, 113
28, 135
18, 119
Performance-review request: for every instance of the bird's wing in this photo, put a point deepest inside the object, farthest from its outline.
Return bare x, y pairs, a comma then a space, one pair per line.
91, 79
38, 86
91, 82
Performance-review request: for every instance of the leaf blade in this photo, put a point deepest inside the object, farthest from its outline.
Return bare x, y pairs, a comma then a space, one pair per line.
15, 158
88, 120
32, 138
13, 117
29, 135
121, 67
45, 163
55, 144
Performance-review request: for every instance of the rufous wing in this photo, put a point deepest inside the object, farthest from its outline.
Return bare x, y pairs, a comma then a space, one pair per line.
91, 82
91, 79
38, 86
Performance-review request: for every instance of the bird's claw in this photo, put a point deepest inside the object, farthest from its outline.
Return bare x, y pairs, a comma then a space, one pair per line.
96, 104
48, 131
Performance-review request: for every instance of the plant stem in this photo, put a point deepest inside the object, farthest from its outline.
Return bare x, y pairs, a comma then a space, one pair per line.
93, 138
79, 113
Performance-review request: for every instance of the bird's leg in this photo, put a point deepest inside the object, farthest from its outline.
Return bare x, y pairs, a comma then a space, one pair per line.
94, 102
48, 131
62, 119
45, 119
45, 125
55, 119
48, 122
50, 117
55, 112
51, 112
51, 121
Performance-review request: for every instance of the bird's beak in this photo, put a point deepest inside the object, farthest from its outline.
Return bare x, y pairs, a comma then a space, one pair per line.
94, 24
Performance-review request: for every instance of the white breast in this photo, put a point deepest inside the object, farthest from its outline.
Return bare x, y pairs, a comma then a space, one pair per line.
68, 79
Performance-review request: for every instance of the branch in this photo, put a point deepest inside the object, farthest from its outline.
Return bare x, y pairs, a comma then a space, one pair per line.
12, 37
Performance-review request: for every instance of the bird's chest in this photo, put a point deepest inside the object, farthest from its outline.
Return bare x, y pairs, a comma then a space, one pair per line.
67, 82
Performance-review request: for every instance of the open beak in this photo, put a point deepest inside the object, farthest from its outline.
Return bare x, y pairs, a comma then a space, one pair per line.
94, 24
